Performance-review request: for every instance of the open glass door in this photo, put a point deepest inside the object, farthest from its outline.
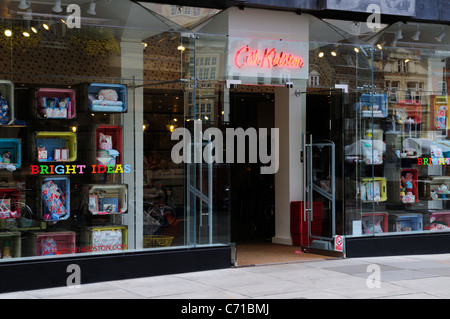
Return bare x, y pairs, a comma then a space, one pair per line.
320, 193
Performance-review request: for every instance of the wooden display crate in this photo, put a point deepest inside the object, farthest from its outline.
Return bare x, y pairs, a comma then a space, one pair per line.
9, 203
104, 196
64, 240
52, 141
96, 106
13, 147
373, 189
94, 242
41, 95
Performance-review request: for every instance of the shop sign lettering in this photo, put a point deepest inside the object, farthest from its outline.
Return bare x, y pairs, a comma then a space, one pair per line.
268, 58
433, 161
79, 169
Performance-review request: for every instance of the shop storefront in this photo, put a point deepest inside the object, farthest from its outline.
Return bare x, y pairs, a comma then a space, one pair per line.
93, 172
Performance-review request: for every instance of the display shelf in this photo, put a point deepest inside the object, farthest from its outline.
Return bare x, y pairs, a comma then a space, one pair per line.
108, 144
408, 112
405, 222
374, 223
439, 221
7, 114
52, 243
373, 190
435, 188
10, 245
46, 145
9, 203
107, 98
374, 105
105, 238
54, 103
10, 153
368, 151
409, 185
105, 199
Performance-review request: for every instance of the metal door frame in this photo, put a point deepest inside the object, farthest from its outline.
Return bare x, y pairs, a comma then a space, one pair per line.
309, 186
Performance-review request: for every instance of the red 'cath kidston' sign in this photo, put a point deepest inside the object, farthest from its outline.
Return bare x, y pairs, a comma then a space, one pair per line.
268, 59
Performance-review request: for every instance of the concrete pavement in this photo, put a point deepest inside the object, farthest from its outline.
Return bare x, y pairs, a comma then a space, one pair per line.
399, 277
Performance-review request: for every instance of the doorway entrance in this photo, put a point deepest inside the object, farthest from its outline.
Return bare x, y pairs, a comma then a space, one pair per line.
253, 194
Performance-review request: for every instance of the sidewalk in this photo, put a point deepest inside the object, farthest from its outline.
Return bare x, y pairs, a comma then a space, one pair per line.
402, 277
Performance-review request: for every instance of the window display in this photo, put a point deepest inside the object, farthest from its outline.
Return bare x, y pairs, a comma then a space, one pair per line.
399, 167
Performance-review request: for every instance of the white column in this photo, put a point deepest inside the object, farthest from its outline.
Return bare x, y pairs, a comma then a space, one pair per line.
290, 119
132, 73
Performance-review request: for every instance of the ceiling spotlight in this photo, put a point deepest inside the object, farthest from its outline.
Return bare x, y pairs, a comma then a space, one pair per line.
45, 25
181, 48
91, 9
8, 32
321, 54
440, 36
415, 37
23, 4
26, 34
407, 60
356, 50
57, 6
381, 45
33, 29
333, 53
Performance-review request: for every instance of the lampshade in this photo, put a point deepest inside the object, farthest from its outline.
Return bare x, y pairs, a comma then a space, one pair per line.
57, 6
91, 9
440, 37
23, 4
415, 37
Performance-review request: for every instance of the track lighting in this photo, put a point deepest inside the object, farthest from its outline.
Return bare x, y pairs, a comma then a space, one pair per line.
91, 9
23, 4
440, 36
381, 45
57, 6
415, 37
